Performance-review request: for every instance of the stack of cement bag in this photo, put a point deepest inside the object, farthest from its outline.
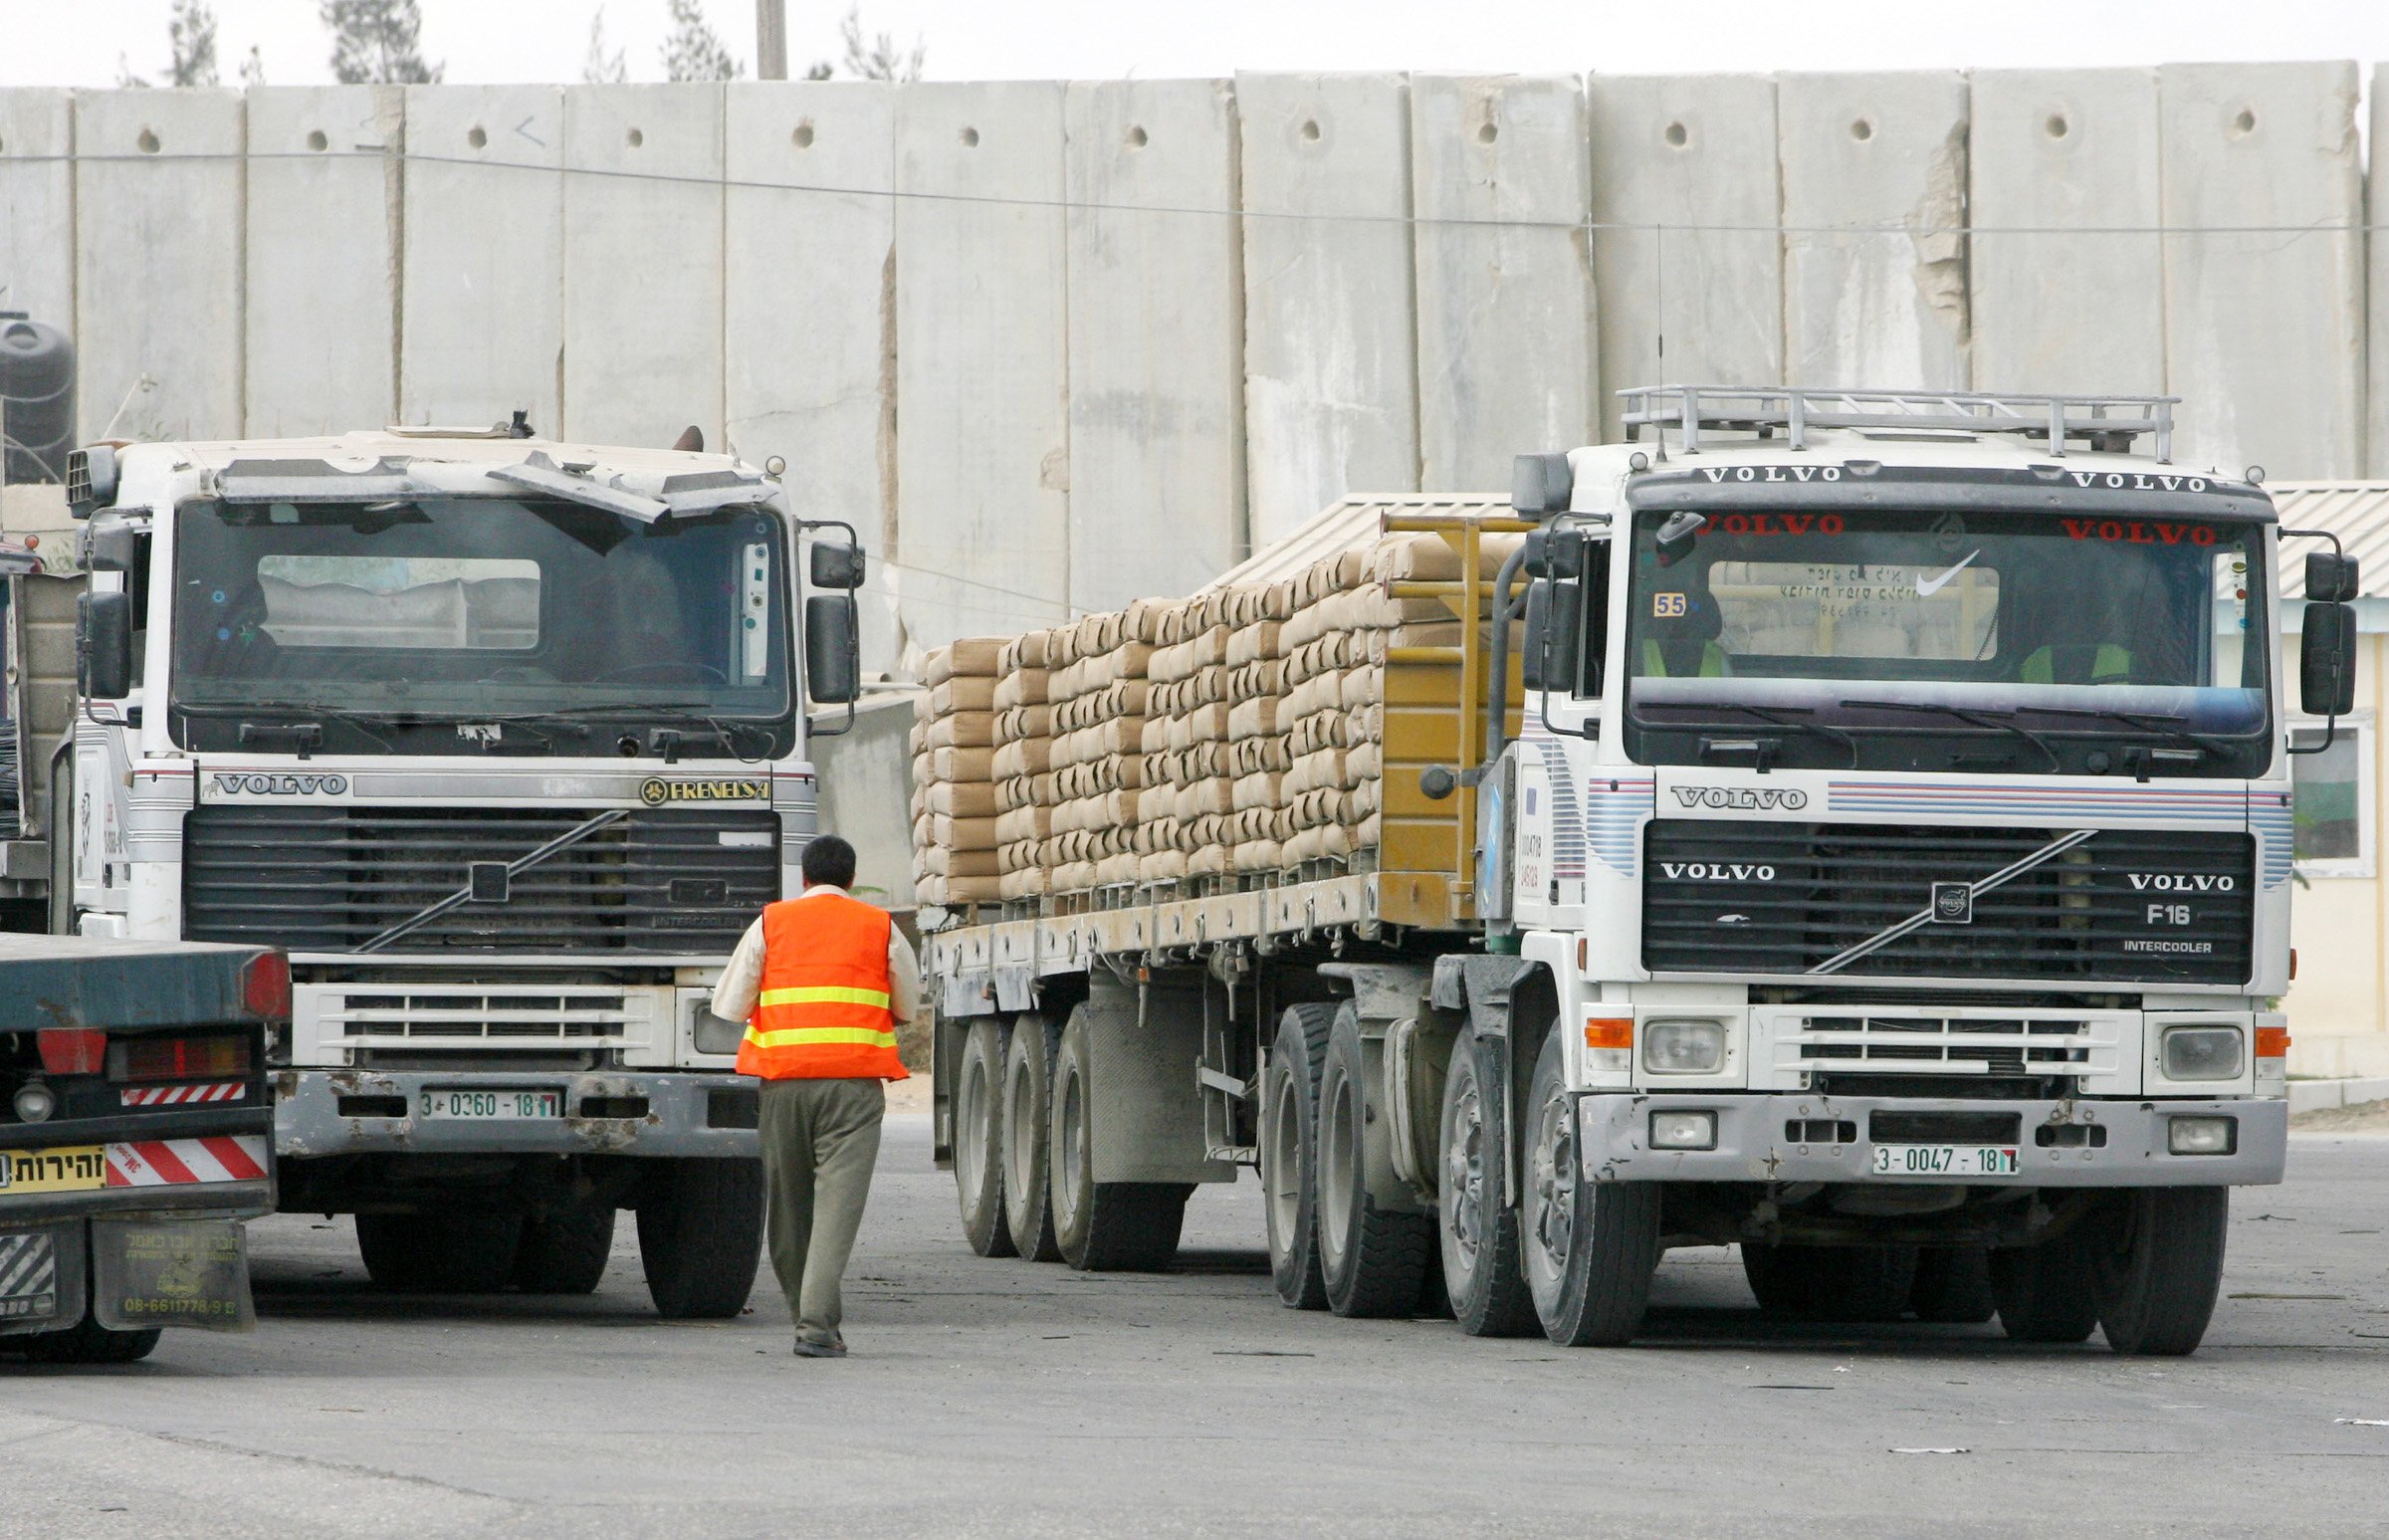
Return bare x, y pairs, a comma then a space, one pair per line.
1233, 736
954, 787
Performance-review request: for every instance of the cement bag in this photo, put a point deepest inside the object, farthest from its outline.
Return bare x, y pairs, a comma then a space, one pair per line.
961, 799
1251, 756
1251, 719
972, 656
1161, 866
962, 763
1363, 686
1021, 687
1021, 722
964, 730
1215, 794
939, 861
1205, 724
1257, 855
1028, 757
1249, 792
1023, 823
1320, 729
1251, 680
961, 693
962, 833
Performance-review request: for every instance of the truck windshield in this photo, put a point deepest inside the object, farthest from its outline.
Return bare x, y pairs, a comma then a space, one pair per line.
1933, 641
430, 614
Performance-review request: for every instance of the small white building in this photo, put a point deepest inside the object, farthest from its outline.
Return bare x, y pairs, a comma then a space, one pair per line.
2339, 1005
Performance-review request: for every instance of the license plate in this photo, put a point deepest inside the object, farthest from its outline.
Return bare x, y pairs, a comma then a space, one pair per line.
67, 1169
491, 1104
1945, 1160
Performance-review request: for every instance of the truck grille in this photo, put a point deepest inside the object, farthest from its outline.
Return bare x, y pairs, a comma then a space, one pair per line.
434, 1016
329, 879
2124, 904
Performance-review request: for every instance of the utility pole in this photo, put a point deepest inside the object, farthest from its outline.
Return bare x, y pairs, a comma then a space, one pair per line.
770, 40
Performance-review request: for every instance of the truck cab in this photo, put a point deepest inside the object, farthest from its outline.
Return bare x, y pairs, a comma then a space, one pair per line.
505, 740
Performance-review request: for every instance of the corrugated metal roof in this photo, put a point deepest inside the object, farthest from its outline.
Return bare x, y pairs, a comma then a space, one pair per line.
2355, 511
1350, 522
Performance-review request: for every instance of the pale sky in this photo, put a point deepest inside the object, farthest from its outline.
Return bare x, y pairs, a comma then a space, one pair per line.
78, 41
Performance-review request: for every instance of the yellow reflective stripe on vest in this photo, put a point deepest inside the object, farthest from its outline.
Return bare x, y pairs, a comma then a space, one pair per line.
823, 995
798, 1036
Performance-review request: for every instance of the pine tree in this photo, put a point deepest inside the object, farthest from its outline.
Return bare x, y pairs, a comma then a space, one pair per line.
601, 68
694, 51
377, 43
878, 59
191, 32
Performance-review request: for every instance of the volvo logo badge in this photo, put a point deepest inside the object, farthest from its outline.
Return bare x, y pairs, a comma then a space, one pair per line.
228, 785
1953, 903
1761, 799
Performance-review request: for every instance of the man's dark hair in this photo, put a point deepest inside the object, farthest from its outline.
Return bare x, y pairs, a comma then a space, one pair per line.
829, 859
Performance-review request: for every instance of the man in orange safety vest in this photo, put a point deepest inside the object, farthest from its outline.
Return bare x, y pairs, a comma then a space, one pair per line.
821, 982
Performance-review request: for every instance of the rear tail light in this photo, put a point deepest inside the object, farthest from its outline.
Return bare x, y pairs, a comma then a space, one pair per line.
179, 1058
68, 1051
266, 986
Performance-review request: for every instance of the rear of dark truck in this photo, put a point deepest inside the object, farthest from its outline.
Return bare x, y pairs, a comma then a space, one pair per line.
135, 1138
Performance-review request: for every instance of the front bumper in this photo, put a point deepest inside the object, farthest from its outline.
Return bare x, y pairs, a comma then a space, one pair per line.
1753, 1143
320, 1112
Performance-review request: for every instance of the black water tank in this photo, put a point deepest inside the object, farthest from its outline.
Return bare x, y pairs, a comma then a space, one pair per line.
37, 399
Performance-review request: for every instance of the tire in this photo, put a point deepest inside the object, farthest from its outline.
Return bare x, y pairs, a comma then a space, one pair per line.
1027, 1098
978, 1137
1587, 1248
441, 1253
2155, 1269
1111, 1227
1953, 1286
86, 1342
1843, 1284
1371, 1260
2044, 1291
701, 1234
1476, 1229
1290, 1153
565, 1250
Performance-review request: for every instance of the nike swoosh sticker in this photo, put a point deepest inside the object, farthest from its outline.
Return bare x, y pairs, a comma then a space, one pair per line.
1925, 591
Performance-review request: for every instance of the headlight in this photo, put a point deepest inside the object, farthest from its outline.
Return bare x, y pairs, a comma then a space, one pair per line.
1672, 1046
1683, 1130
2201, 1135
2202, 1053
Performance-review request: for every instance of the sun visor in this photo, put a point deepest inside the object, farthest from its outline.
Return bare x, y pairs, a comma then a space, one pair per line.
317, 481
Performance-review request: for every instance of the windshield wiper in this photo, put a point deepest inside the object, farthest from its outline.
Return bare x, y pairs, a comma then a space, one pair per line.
2004, 722
306, 737
2146, 724
1787, 717
666, 741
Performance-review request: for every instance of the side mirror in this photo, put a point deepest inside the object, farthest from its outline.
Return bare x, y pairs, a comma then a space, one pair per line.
2331, 579
1541, 485
1554, 612
113, 546
1676, 534
104, 646
833, 650
1554, 554
837, 566
2326, 657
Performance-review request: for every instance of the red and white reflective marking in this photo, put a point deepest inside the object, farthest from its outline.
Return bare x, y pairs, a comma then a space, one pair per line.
175, 1161
181, 1095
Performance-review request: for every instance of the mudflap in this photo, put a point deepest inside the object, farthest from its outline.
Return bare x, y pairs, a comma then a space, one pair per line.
42, 1269
171, 1272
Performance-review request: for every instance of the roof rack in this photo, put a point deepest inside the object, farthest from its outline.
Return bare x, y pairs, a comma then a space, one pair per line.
2104, 424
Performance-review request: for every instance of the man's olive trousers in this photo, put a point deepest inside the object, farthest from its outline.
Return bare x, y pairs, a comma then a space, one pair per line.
821, 1139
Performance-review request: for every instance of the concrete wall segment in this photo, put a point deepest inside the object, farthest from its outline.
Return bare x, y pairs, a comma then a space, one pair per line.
37, 204
482, 278
644, 263
1330, 376
1686, 255
158, 244
321, 277
2376, 243
1508, 330
982, 360
1157, 472
1874, 243
808, 341
2066, 269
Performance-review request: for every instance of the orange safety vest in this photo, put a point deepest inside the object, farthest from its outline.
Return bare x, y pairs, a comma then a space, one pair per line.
822, 1013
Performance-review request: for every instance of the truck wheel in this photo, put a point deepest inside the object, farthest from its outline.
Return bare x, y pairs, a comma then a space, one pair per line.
1110, 1226
1289, 1169
1780, 1283
1589, 1246
86, 1342
978, 1137
445, 1254
2044, 1291
701, 1234
1369, 1258
1478, 1228
565, 1250
1953, 1286
1027, 1095
2155, 1274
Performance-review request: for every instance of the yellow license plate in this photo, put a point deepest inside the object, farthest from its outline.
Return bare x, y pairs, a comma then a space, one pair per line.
68, 1169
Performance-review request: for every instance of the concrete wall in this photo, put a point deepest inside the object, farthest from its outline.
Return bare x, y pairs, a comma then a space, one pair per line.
1050, 347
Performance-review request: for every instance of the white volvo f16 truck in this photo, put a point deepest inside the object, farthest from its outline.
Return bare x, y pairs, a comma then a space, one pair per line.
504, 741
1882, 867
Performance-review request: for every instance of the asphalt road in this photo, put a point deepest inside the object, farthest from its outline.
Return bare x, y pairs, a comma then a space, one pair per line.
1002, 1398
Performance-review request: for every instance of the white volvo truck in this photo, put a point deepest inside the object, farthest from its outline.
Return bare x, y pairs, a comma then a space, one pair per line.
1888, 874
504, 741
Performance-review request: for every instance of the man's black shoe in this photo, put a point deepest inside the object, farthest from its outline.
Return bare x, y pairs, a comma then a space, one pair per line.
806, 1349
